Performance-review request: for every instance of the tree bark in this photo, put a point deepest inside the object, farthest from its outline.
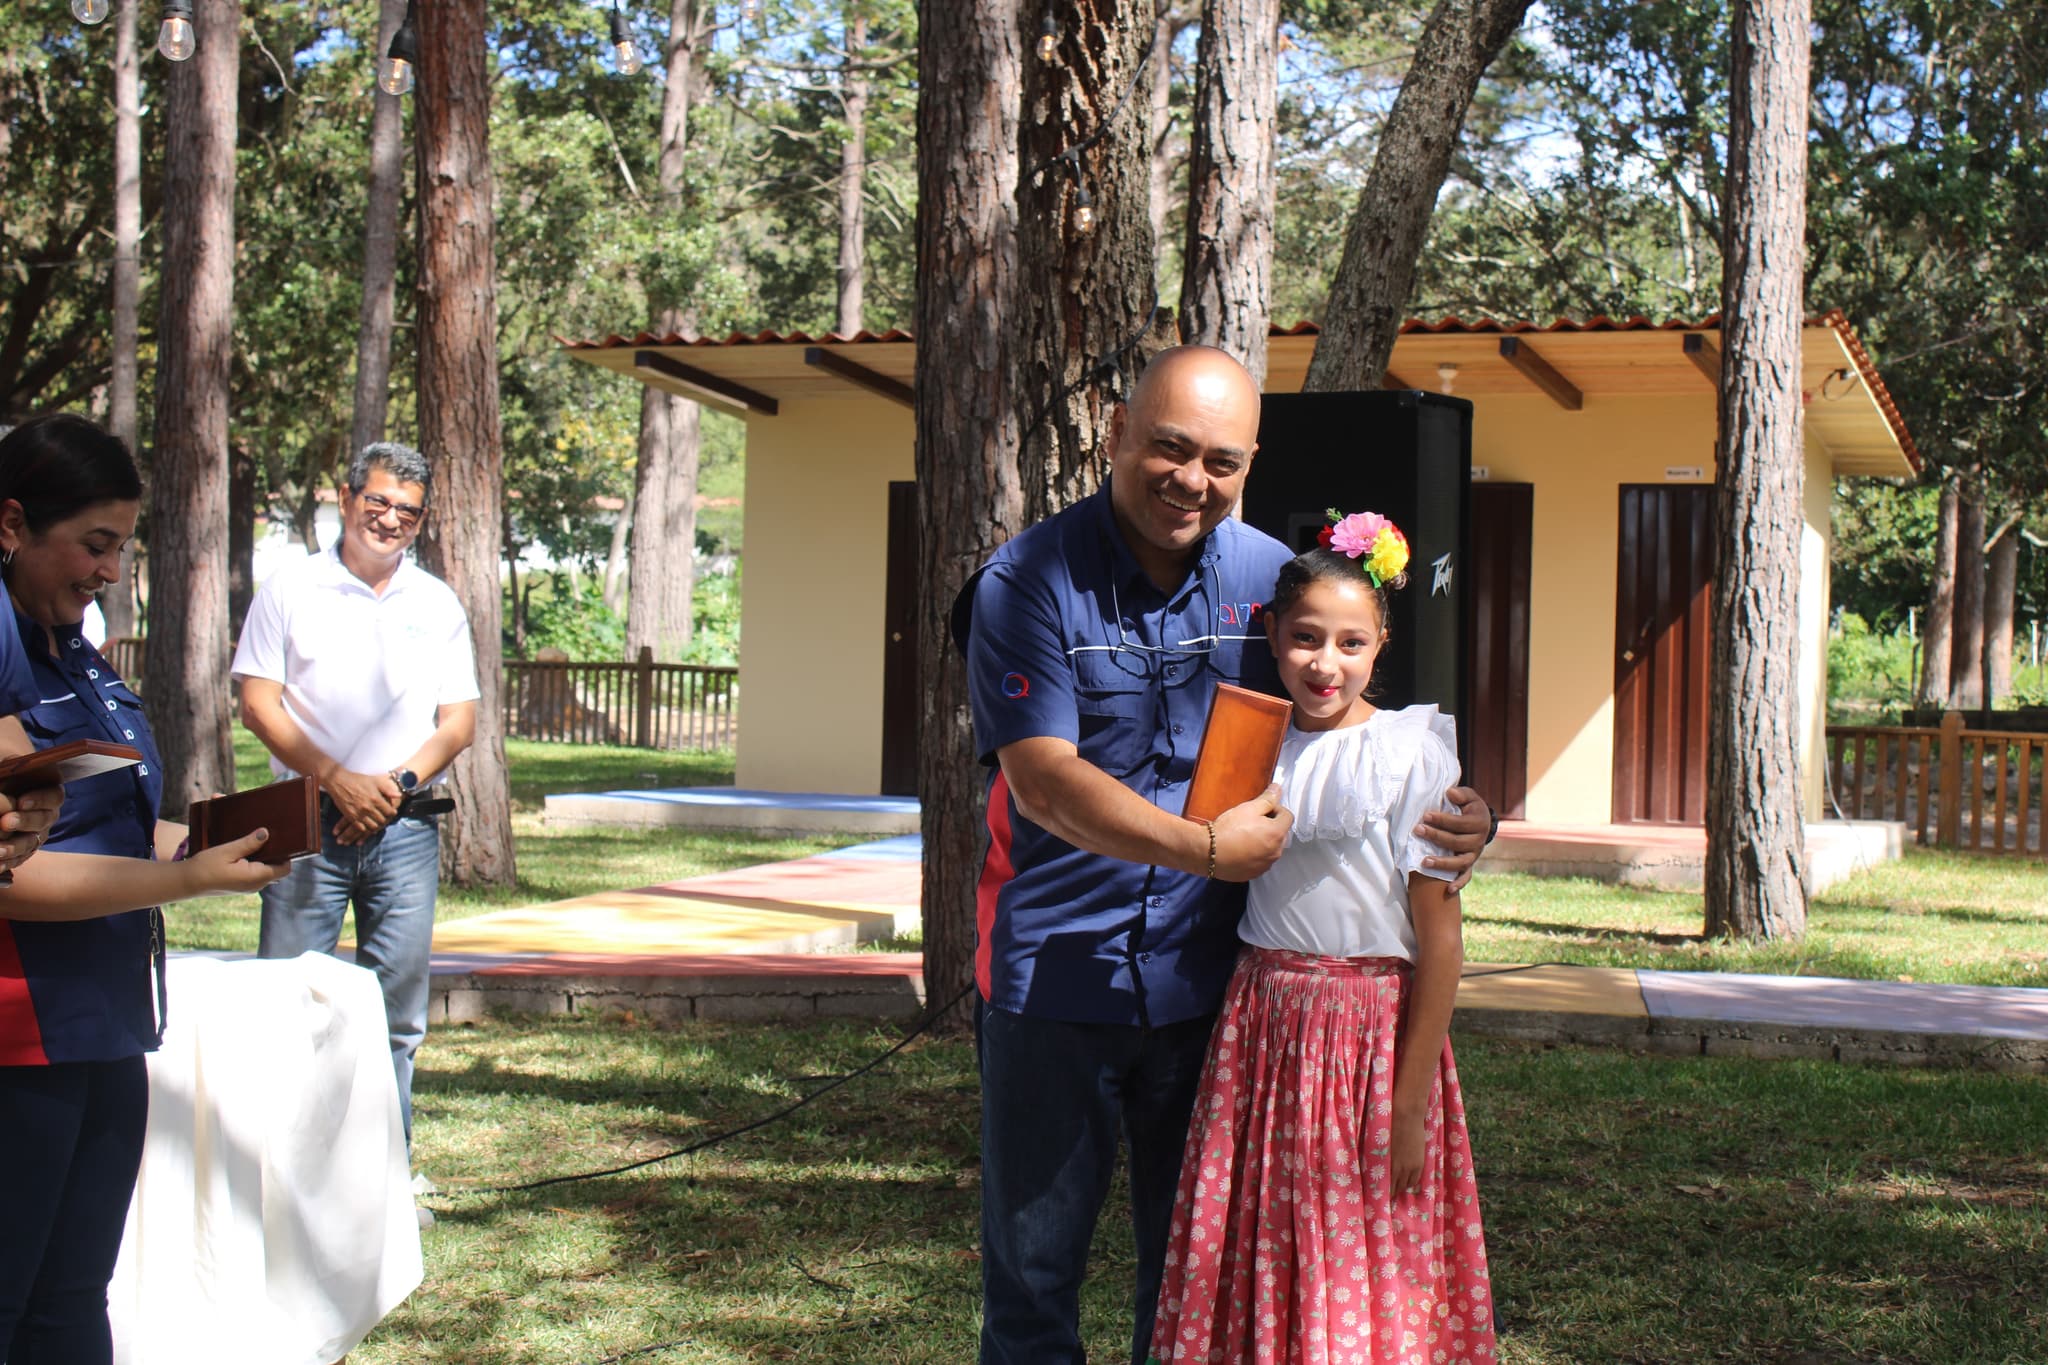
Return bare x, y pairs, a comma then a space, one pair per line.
853, 162
186, 660
970, 500
118, 600
1226, 286
380, 251
664, 534
1159, 199
2001, 587
1087, 314
1756, 849
1377, 271
458, 406
615, 557
1936, 639
241, 535
1966, 654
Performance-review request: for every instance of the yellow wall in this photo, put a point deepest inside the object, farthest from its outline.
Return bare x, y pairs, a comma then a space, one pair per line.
811, 595
816, 545
1816, 590
1578, 462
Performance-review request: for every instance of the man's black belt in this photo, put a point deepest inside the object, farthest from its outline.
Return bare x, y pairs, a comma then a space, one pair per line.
414, 806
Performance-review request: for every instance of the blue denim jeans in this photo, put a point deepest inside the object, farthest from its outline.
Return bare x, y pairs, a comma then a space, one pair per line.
70, 1145
392, 877
1054, 1098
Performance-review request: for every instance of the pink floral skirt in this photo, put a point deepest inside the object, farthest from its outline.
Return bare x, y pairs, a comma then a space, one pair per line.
1288, 1246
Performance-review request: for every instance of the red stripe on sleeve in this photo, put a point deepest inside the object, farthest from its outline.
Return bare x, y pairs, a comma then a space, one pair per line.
996, 872
21, 1033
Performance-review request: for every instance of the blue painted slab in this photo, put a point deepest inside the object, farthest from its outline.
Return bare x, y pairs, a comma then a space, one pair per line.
1832, 1002
741, 796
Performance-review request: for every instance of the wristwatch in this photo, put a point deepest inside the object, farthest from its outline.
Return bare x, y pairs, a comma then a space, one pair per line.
405, 778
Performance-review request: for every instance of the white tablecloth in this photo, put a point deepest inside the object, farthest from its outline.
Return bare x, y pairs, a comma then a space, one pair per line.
273, 1223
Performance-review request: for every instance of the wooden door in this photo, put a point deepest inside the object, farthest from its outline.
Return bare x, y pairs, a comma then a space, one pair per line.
1497, 645
1660, 654
902, 705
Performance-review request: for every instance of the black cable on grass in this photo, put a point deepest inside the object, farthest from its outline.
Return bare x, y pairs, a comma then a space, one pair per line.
932, 1017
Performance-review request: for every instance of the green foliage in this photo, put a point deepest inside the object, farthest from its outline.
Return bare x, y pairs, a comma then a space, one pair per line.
715, 629
1871, 675
570, 615
1884, 549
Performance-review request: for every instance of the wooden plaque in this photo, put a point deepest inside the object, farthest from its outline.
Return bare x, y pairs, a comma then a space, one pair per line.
290, 810
1239, 750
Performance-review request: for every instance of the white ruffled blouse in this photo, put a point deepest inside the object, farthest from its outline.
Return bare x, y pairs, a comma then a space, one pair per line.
1341, 887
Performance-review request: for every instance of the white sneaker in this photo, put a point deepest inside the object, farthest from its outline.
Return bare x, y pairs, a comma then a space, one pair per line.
421, 1185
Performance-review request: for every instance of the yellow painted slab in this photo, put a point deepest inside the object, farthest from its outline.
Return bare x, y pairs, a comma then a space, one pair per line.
636, 922
1569, 990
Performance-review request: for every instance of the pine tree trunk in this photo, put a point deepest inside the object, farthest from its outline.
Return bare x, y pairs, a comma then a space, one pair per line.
1966, 651
1377, 272
1936, 640
186, 661
1159, 161
380, 251
661, 567
969, 65
1226, 286
1756, 846
458, 406
2001, 587
241, 534
1088, 314
853, 163
118, 601
615, 557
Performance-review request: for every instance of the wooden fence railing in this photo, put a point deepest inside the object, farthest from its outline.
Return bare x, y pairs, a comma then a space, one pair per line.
1985, 790
644, 704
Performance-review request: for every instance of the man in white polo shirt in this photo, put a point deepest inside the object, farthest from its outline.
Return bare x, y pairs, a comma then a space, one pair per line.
356, 669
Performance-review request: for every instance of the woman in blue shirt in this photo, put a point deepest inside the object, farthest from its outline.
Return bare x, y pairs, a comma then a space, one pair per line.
81, 942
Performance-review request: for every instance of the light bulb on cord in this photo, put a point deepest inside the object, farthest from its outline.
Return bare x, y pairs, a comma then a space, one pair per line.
90, 11
174, 41
1048, 40
1084, 211
394, 74
624, 53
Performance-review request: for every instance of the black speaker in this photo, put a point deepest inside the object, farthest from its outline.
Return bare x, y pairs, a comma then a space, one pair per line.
1406, 455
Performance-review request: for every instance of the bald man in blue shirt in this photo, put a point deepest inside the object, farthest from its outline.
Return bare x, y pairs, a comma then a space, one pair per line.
1107, 923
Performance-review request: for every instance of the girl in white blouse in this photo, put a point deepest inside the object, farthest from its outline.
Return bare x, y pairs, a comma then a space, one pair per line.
1327, 1210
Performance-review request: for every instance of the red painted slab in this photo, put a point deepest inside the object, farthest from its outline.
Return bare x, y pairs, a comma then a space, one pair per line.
824, 879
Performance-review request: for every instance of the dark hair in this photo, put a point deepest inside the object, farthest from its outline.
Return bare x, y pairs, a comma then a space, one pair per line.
58, 466
401, 462
1327, 566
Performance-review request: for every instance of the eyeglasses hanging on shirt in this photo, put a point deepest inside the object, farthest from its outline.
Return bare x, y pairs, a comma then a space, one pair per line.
1195, 645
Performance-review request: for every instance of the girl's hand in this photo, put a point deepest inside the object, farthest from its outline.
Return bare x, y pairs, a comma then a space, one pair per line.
228, 868
1404, 1159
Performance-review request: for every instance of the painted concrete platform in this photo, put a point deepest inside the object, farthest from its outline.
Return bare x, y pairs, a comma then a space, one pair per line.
1673, 857
1667, 857
775, 942
734, 808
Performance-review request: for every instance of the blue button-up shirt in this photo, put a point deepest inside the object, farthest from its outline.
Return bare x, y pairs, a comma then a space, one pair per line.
1068, 638
89, 980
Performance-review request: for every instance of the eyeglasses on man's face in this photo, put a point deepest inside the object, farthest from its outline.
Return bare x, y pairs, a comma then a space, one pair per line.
378, 507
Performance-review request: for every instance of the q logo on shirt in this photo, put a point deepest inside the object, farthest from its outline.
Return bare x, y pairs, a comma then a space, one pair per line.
1016, 686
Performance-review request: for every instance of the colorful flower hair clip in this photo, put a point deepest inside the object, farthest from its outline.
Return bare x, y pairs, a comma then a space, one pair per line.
1368, 537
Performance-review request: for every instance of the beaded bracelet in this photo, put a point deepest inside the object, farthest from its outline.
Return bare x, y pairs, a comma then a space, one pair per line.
1210, 825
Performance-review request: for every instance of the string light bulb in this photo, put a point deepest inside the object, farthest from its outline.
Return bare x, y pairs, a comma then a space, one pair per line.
1084, 210
394, 75
175, 40
1048, 40
90, 11
624, 55
1446, 376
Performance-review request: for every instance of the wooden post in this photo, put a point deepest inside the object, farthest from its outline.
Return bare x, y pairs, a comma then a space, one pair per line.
1948, 830
643, 699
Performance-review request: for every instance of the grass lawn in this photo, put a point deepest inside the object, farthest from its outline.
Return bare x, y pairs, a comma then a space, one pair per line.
1638, 1210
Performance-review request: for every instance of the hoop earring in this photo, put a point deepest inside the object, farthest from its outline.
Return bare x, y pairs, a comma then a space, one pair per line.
7, 560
